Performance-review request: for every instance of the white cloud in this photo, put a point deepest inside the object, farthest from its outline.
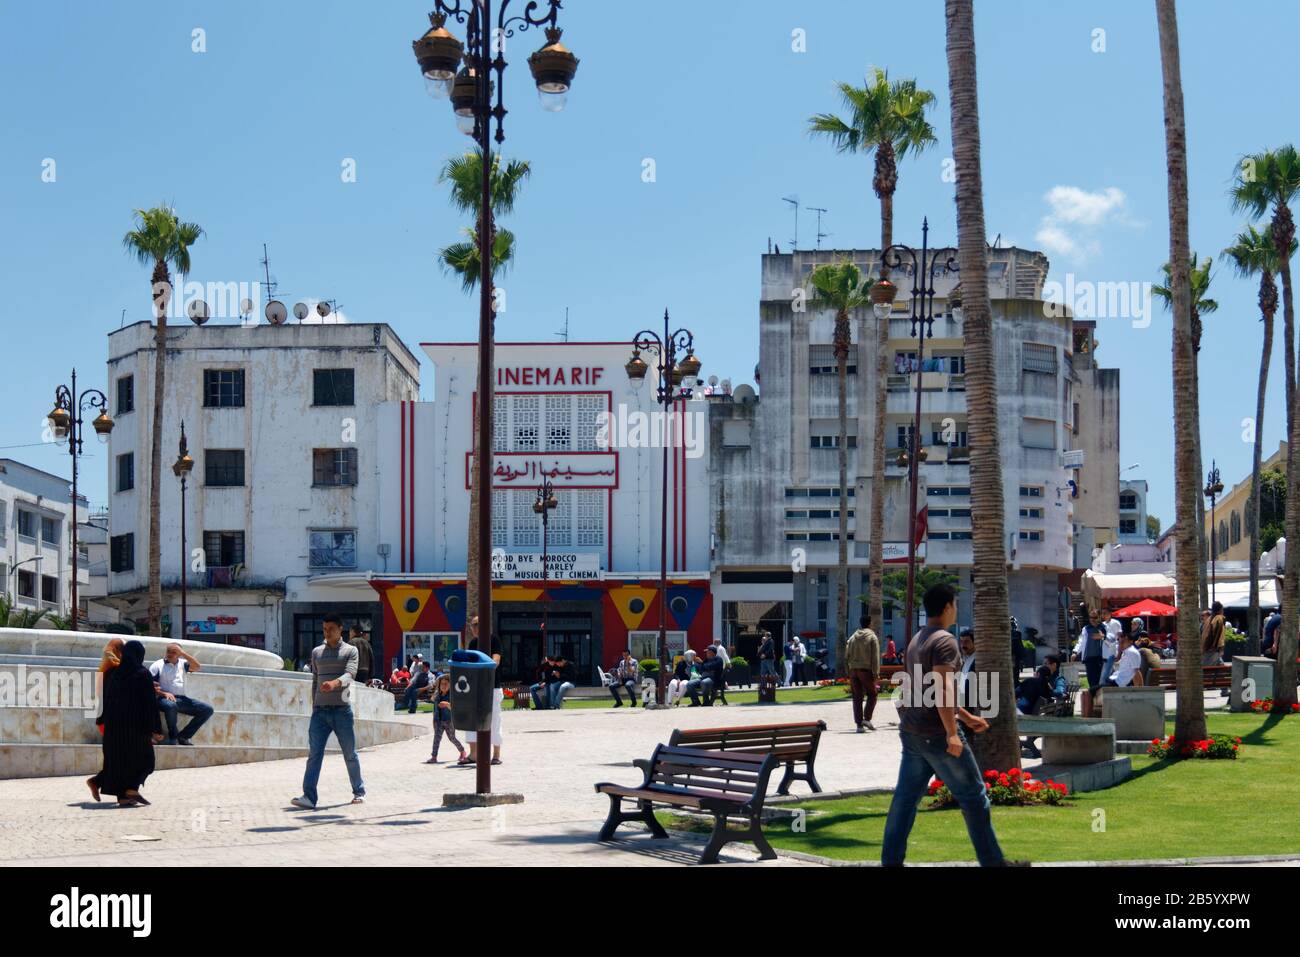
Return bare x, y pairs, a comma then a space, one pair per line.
1075, 216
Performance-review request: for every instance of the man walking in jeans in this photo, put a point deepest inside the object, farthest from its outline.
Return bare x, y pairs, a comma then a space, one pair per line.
933, 743
333, 670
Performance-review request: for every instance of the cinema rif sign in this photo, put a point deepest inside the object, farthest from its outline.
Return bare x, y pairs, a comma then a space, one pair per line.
574, 470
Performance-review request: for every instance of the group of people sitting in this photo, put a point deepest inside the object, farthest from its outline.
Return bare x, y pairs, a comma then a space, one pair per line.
694, 677
554, 680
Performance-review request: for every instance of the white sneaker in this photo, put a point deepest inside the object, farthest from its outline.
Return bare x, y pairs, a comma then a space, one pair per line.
359, 799
303, 803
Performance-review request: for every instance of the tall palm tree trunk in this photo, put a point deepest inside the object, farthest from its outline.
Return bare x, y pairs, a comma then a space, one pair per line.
1252, 624
1190, 719
1284, 675
1000, 746
161, 296
876, 566
1204, 543
842, 576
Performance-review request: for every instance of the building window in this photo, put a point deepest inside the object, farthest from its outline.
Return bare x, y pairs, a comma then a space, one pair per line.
590, 408
833, 441
26, 583
1031, 491
121, 553
956, 439
1127, 526
1039, 357
50, 531
26, 524
223, 549
49, 589
1236, 527
333, 467
333, 387
1223, 537
223, 388
528, 524
1128, 501
332, 548
559, 423
500, 525
590, 524
958, 491
526, 417
125, 394
1038, 433
223, 468
1038, 513
905, 436
1031, 535
559, 531
126, 472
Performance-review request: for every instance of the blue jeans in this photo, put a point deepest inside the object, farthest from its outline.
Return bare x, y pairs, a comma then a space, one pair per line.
556, 691
327, 720
924, 757
767, 667
183, 705
536, 691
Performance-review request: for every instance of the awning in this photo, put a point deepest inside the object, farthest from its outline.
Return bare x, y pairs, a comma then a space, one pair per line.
1098, 587
1146, 608
1236, 594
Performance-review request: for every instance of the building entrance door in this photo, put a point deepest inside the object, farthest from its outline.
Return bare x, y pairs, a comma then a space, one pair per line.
522, 647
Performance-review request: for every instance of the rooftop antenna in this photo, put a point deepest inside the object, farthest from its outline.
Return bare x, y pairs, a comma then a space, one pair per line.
564, 335
820, 235
122, 322
794, 201
266, 271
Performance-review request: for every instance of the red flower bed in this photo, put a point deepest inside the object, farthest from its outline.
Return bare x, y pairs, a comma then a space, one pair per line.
1265, 705
1013, 788
1215, 747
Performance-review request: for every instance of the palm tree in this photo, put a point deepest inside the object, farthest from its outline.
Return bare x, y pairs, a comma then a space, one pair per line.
1190, 719
887, 119
840, 286
1199, 273
1000, 747
1252, 254
159, 238
464, 174
1272, 179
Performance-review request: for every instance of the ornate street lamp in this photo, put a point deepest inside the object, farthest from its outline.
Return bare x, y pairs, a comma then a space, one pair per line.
923, 265
668, 391
182, 468
545, 504
468, 68
1213, 489
65, 420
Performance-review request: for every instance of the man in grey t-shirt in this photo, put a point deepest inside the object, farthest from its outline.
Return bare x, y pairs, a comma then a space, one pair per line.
333, 671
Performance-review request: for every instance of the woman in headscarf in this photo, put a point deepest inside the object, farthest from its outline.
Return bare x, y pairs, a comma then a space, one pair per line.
132, 726
111, 658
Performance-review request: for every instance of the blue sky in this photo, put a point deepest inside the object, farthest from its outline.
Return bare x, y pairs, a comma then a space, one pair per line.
249, 139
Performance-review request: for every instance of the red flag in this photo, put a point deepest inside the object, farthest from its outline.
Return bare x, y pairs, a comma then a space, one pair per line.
922, 525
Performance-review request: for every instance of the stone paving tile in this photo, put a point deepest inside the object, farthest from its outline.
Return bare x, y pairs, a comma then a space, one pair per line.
240, 813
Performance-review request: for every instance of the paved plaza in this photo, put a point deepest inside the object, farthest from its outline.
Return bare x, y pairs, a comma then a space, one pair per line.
239, 814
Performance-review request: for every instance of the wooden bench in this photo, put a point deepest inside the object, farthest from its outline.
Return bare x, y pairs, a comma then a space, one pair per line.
518, 693
1058, 707
726, 785
1213, 676
787, 743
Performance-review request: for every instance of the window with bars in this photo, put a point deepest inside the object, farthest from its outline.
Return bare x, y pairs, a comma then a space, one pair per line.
223, 388
1039, 357
333, 467
559, 423
223, 549
525, 423
223, 468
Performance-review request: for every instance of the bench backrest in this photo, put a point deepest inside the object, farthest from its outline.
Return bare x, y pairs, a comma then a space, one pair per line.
786, 742
740, 777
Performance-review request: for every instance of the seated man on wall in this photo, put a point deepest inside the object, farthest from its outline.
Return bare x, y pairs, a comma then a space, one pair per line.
624, 675
169, 673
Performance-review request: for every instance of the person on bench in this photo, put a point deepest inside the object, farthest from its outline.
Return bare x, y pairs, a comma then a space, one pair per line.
624, 675
169, 674
418, 684
1128, 669
707, 680
559, 682
539, 687
680, 679
1046, 683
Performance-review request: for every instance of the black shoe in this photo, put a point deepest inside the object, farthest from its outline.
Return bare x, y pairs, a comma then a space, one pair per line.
185, 741
618, 703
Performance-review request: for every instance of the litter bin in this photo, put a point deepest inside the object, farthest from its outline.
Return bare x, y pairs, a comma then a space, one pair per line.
472, 678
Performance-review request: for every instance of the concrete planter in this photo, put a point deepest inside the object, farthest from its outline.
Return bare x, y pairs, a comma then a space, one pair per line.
1138, 713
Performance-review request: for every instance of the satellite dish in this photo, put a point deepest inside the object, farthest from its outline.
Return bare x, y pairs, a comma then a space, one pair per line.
245, 306
300, 311
322, 308
275, 312
197, 311
713, 380
743, 393
726, 387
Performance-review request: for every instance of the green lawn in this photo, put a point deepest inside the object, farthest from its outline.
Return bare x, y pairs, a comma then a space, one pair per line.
1191, 808
783, 696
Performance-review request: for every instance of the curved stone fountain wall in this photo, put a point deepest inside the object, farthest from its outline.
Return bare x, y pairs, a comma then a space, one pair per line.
49, 700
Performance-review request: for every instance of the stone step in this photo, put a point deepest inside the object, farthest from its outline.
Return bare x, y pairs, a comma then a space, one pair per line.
54, 760
1084, 777
241, 729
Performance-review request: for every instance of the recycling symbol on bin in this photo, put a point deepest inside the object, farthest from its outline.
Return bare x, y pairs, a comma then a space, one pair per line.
462, 684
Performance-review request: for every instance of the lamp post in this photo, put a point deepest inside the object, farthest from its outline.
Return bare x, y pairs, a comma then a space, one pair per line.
182, 468
463, 71
1213, 489
923, 265
545, 504
65, 419
668, 391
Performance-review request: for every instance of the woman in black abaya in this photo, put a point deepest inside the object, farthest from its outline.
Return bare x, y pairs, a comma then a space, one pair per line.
132, 726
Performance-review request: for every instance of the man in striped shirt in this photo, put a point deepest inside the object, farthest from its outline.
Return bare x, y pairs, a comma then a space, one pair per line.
333, 671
